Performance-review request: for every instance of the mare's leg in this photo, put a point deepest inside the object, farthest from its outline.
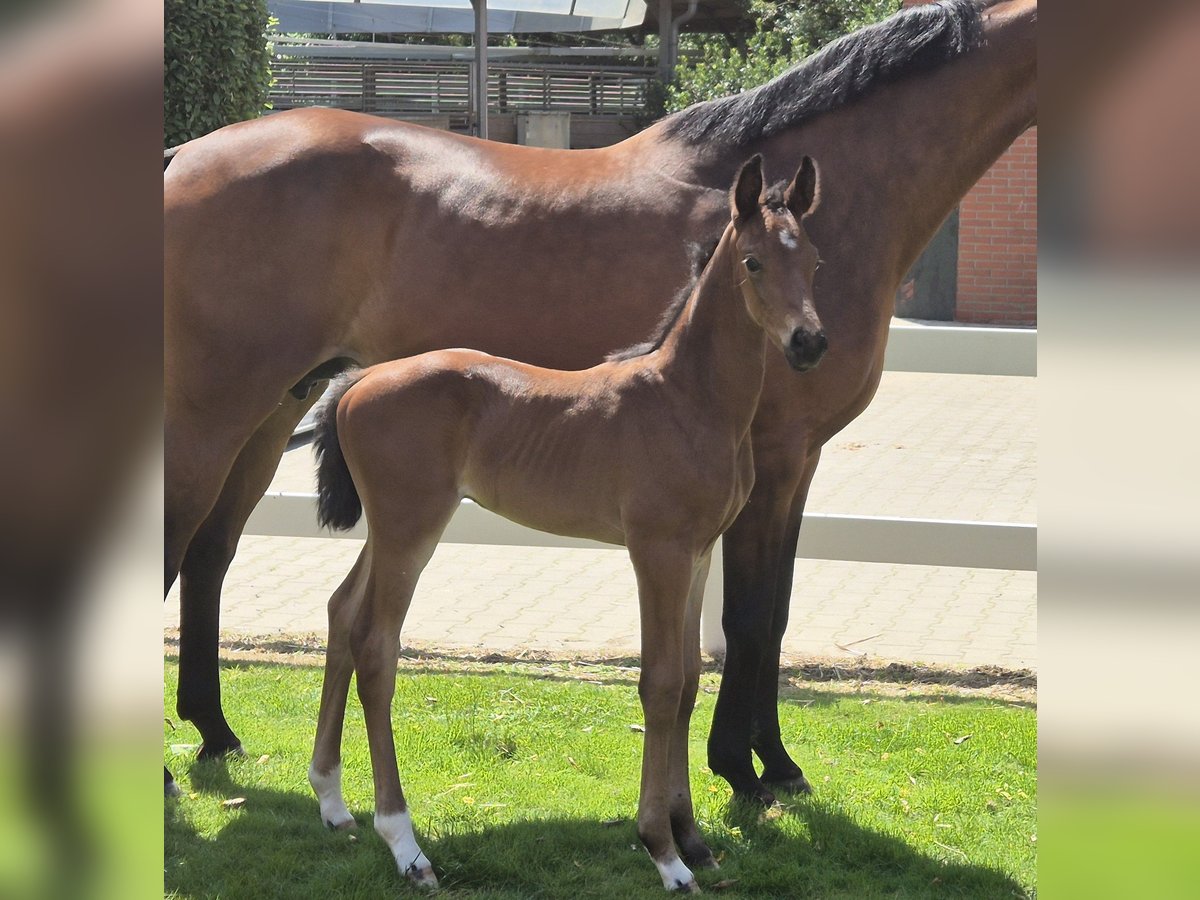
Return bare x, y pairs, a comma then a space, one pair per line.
203, 571
754, 548
400, 546
200, 445
780, 773
51, 758
664, 577
325, 772
692, 847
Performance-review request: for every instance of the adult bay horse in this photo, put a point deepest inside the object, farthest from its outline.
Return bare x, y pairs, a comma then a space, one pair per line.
650, 449
305, 239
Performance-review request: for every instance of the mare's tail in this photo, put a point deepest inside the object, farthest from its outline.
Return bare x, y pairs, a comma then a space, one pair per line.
338, 504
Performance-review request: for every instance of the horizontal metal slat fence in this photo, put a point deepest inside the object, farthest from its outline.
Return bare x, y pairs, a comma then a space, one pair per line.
418, 88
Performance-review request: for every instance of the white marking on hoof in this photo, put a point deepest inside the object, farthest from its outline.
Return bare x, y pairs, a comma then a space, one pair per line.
676, 876
328, 789
397, 832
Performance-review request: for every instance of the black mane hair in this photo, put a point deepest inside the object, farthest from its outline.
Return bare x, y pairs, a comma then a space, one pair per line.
700, 258
912, 40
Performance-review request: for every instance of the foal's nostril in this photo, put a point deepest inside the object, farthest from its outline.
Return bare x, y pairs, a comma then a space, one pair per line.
822, 342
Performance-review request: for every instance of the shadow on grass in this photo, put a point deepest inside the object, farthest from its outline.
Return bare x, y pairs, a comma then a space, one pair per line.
275, 846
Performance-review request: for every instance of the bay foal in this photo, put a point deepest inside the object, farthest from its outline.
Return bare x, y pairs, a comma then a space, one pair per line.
649, 449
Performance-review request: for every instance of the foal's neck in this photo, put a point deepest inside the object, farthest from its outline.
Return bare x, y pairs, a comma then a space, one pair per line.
715, 352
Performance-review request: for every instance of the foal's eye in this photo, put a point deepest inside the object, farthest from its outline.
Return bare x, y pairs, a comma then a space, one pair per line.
752, 264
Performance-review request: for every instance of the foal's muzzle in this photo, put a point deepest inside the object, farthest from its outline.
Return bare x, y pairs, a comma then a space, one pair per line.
805, 349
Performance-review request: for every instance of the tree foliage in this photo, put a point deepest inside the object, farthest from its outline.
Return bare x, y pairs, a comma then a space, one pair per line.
216, 65
785, 33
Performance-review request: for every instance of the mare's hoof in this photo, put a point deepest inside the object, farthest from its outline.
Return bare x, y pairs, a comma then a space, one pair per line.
757, 795
422, 878
747, 788
221, 750
795, 785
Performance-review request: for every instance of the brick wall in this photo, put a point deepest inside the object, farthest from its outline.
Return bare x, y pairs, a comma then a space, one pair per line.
997, 241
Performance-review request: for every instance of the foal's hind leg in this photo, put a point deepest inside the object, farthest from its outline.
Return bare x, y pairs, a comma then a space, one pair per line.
400, 548
325, 772
692, 847
203, 572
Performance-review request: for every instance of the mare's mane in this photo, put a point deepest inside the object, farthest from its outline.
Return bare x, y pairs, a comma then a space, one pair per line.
912, 40
700, 256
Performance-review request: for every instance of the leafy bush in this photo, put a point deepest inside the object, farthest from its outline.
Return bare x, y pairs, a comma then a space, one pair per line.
784, 34
216, 65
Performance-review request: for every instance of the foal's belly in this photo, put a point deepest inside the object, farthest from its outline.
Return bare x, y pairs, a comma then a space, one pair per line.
569, 523
541, 467
565, 499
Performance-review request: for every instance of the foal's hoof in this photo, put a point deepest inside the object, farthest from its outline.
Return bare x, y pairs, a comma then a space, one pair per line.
171, 787
798, 784
689, 888
341, 825
423, 878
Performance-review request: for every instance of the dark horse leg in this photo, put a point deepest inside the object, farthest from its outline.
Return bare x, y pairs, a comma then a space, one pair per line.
50, 752
780, 773
202, 573
754, 550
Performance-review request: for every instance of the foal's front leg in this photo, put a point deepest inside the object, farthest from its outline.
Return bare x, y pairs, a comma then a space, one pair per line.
692, 847
375, 644
664, 577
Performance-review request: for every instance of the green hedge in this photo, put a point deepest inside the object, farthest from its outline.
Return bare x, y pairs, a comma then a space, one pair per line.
216, 65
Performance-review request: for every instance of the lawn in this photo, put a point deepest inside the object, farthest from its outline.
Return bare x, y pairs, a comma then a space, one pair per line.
522, 778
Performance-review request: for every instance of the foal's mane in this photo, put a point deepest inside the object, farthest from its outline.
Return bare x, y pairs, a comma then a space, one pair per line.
912, 40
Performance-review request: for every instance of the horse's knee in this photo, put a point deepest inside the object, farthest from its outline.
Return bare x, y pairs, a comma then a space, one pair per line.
746, 633
209, 552
661, 692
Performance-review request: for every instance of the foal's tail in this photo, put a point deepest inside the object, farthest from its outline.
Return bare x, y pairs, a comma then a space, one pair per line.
338, 504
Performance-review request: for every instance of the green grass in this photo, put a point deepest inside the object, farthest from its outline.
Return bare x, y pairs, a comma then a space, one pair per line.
523, 783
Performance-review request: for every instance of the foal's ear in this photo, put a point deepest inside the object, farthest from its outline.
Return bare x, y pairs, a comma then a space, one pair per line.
801, 194
746, 196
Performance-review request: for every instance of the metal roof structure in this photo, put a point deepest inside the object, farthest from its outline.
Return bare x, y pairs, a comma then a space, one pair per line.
455, 16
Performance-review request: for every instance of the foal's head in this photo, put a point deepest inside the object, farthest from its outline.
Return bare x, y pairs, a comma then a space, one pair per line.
776, 261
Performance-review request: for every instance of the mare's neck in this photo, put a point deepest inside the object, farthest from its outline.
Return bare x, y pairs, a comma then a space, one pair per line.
715, 352
896, 162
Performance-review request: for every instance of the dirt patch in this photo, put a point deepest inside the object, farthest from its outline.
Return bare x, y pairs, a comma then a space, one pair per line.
854, 675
